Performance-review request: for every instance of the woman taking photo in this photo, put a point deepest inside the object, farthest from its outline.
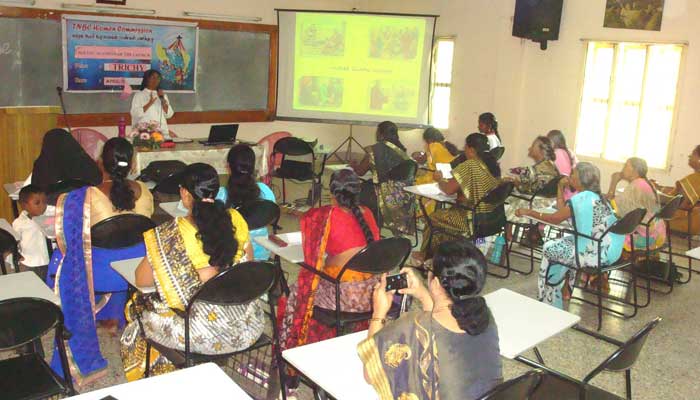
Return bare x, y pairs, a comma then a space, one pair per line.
86, 282
449, 350
242, 188
396, 206
182, 255
151, 103
593, 215
471, 180
338, 232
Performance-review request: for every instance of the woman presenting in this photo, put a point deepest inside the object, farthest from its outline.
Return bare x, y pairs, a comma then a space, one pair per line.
151, 103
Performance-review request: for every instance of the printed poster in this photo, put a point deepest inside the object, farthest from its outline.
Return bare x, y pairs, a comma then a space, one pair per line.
101, 54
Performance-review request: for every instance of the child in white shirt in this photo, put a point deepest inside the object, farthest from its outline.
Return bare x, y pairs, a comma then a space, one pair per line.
32, 240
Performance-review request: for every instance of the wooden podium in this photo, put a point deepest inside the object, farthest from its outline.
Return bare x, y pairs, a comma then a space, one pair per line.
22, 130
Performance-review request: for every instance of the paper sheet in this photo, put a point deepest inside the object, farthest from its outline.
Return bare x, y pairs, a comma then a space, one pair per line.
445, 169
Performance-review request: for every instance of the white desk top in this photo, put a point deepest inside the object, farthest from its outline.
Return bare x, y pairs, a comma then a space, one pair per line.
293, 253
522, 322
695, 253
172, 209
205, 381
127, 269
8, 227
25, 284
431, 191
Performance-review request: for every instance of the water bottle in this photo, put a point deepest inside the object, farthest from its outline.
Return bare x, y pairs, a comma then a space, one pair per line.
122, 127
498, 249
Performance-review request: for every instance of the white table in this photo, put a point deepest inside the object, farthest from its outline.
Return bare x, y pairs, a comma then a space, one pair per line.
431, 191
8, 227
25, 284
522, 322
694, 253
205, 381
293, 252
172, 209
127, 269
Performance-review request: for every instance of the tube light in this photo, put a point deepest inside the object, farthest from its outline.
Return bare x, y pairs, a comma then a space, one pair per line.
222, 17
108, 9
19, 2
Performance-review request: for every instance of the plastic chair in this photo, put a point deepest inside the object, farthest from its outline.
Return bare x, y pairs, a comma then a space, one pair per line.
8, 244
273, 160
556, 385
261, 213
236, 285
518, 388
119, 231
90, 140
497, 152
376, 258
624, 226
27, 376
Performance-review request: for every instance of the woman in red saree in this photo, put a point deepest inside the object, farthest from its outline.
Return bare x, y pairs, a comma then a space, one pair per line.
331, 235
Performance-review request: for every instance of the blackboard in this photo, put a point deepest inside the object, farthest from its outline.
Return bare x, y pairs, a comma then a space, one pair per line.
233, 71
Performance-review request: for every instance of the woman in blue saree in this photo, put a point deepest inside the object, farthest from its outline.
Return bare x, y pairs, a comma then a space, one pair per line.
593, 215
91, 291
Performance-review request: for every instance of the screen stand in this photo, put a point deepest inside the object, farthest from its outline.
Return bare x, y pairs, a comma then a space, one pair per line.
348, 152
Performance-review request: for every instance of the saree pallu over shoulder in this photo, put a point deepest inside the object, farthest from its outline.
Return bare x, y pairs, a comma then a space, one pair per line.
690, 186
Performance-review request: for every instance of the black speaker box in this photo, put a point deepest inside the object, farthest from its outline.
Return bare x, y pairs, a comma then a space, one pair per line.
537, 20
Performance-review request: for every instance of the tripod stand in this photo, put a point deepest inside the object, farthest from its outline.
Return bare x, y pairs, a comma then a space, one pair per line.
348, 153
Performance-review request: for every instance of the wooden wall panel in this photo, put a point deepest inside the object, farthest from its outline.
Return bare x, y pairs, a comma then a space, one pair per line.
21, 132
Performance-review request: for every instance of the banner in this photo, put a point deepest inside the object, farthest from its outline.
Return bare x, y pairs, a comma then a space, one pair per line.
102, 54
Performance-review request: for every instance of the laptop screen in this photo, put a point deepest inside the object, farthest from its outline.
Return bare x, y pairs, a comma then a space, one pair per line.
223, 133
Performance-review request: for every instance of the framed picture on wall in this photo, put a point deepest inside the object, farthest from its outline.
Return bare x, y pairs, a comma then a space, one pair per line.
634, 14
113, 2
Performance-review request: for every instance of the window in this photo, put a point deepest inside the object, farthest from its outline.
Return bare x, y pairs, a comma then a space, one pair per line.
442, 82
629, 101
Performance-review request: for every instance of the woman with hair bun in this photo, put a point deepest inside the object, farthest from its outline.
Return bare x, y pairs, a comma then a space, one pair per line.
449, 349
338, 232
182, 255
86, 283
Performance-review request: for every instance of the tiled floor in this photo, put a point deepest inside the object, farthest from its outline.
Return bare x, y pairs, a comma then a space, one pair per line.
666, 368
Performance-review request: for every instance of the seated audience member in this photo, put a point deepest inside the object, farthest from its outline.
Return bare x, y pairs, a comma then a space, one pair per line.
489, 127
437, 151
639, 193
471, 180
396, 206
32, 240
593, 215
183, 254
565, 160
529, 180
338, 232
63, 158
689, 188
243, 188
86, 282
447, 350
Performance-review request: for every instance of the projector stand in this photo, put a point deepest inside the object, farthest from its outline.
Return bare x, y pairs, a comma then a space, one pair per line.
348, 153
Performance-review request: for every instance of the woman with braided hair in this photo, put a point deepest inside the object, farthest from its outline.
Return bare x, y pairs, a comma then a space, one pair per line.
338, 231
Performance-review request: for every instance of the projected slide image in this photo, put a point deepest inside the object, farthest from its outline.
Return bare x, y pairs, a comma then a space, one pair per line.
398, 97
322, 92
323, 39
394, 42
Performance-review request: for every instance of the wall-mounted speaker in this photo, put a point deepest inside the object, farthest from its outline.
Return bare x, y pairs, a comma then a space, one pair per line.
537, 20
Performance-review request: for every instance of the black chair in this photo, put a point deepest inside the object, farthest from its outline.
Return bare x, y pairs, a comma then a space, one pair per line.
518, 388
261, 213
237, 285
624, 226
170, 185
158, 171
689, 236
481, 224
556, 385
549, 190
8, 244
119, 231
376, 258
497, 152
27, 376
458, 160
302, 171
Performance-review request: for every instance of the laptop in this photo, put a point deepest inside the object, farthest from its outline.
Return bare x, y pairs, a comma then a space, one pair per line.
221, 134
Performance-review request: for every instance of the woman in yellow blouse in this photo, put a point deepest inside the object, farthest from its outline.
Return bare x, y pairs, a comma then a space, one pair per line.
437, 151
182, 255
